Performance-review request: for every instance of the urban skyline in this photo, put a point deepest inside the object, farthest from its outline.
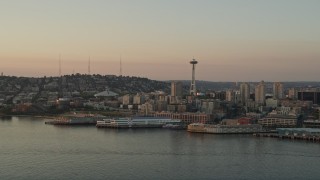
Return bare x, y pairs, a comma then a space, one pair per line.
233, 41
159, 89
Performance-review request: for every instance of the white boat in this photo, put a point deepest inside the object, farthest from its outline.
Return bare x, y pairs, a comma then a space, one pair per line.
135, 122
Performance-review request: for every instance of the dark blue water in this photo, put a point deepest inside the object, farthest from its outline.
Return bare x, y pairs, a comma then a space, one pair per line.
29, 149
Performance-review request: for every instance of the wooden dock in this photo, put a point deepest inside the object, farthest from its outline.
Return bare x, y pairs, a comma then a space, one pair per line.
292, 137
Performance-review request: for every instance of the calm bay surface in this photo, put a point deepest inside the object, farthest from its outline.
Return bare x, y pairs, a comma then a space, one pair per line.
29, 149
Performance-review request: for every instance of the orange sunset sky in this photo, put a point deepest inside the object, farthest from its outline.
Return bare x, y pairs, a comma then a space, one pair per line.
247, 40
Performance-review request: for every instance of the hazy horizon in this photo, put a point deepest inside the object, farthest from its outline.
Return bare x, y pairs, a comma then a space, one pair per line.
247, 40
165, 80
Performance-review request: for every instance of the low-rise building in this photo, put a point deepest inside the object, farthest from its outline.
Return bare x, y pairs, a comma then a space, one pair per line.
171, 108
181, 108
272, 103
107, 94
278, 121
311, 123
281, 117
147, 108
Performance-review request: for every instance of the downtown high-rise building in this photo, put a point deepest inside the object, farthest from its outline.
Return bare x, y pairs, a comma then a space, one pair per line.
230, 95
293, 93
244, 92
176, 88
260, 93
278, 90
309, 94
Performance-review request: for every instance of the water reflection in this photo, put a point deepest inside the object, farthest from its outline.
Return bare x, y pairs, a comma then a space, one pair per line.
30, 149
5, 118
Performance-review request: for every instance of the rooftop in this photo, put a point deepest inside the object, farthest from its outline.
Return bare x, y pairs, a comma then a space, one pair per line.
106, 93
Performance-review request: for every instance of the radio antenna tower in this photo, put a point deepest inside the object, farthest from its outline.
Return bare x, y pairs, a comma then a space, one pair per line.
60, 65
120, 66
89, 66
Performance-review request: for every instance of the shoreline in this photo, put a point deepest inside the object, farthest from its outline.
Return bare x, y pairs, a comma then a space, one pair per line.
36, 116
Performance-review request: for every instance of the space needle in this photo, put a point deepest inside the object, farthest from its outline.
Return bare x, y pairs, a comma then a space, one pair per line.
193, 90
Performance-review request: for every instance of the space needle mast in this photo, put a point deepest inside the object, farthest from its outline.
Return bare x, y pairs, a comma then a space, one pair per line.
193, 90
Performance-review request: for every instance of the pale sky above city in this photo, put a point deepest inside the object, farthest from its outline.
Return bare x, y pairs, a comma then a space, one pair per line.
233, 40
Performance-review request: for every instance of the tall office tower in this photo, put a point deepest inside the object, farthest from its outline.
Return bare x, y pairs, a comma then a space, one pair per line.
193, 89
293, 93
176, 88
244, 92
278, 90
230, 95
309, 94
260, 93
